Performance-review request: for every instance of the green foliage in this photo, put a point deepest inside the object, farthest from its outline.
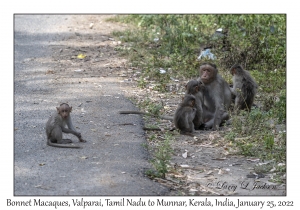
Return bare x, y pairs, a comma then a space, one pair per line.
173, 41
153, 107
161, 158
255, 41
254, 135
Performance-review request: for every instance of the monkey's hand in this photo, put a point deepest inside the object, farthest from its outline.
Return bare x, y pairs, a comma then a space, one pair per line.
82, 140
78, 135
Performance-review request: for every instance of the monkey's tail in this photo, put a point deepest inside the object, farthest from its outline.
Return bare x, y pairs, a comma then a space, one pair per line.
145, 113
62, 145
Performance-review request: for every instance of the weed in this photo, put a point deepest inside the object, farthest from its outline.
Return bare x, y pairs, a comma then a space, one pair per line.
162, 156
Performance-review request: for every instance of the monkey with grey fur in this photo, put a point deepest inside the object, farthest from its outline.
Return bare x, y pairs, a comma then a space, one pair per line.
196, 88
56, 125
244, 88
217, 96
185, 114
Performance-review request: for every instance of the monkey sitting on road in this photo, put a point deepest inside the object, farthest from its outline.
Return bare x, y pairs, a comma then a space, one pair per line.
55, 126
185, 114
244, 88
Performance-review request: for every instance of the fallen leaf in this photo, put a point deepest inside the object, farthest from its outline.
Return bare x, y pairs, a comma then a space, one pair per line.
81, 56
42, 164
84, 157
50, 72
184, 155
209, 172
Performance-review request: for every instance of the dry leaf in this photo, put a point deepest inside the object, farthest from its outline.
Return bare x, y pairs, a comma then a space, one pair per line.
209, 172
81, 56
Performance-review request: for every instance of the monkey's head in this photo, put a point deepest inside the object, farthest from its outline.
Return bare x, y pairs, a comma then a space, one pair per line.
188, 100
208, 72
64, 110
194, 86
236, 69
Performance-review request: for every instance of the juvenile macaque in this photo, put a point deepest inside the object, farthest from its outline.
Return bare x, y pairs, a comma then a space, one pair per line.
55, 126
185, 114
217, 96
244, 88
197, 88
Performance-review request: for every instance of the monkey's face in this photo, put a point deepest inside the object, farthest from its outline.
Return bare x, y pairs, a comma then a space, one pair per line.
207, 74
64, 111
233, 71
192, 87
192, 102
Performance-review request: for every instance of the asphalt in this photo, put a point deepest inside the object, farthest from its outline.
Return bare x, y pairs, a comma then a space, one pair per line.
111, 162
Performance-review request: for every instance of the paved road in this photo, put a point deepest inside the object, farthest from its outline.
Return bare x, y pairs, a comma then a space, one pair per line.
113, 159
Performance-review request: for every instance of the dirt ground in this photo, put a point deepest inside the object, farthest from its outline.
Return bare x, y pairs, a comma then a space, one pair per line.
201, 165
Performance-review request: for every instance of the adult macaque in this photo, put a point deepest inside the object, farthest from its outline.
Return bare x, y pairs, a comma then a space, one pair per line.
244, 88
217, 96
185, 114
196, 88
55, 126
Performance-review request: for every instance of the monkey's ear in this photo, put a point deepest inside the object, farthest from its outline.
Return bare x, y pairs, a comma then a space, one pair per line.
186, 86
182, 98
70, 108
197, 88
57, 109
193, 102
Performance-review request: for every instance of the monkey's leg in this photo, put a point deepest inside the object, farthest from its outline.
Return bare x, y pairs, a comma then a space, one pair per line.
198, 120
225, 116
208, 124
57, 135
66, 130
75, 133
220, 117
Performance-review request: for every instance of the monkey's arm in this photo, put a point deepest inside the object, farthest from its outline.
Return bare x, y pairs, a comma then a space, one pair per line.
69, 124
73, 130
67, 130
232, 90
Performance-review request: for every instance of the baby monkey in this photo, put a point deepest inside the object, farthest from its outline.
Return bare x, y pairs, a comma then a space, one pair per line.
196, 88
185, 114
56, 125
